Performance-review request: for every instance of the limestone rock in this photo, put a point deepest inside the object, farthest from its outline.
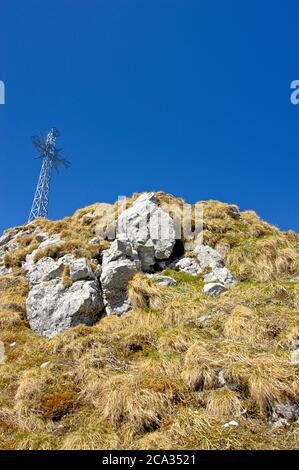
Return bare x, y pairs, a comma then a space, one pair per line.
286, 410
208, 257
45, 269
187, 265
50, 241
79, 269
221, 275
94, 241
214, 289
51, 308
120, 263
163, 280
2, 353
149, 229
295, 357
7, 237
41, 237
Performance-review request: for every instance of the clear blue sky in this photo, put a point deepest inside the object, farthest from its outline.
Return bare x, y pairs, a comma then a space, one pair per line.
189, 97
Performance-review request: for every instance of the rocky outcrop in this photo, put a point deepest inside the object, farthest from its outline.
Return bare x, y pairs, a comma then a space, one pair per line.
145, 240
207, 260
145, 235
120, 263
52, 307
150, 230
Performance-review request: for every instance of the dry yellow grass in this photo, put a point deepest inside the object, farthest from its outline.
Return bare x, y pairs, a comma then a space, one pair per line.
66, 278
244, 323
223, 402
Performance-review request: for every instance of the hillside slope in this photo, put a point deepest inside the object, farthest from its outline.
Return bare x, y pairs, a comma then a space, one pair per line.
154, 356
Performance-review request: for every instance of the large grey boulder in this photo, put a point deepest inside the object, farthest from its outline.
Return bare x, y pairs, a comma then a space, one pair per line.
120, 263
51, 308
45, 269
150, 230
79, 268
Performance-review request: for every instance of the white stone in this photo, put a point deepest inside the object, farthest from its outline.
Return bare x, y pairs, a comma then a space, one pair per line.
120, 263
44, 270
221, 378
294, 359
51, 308
232, 423
187, 265
220, 275
149, 229
4, 270
114, 280
94, 241
285, 410
166, 281
80, 269
50, 241
208, 257
213, 289
2, 353
44, 364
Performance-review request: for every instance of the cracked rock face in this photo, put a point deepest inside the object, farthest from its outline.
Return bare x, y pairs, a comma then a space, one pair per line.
150, 230
120, 263
51, 308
